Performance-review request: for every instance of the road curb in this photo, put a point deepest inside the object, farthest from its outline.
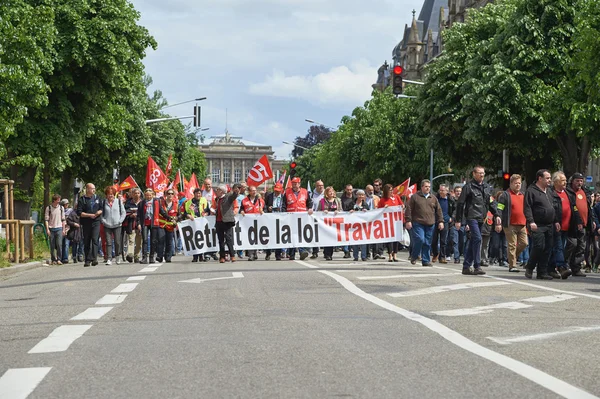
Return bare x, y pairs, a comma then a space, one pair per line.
7, 271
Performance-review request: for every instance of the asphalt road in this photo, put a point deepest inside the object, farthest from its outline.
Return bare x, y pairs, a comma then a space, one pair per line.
309, 329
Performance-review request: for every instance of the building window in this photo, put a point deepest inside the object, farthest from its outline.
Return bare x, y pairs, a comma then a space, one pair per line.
237, 176
226, 175
247, 172
216, 175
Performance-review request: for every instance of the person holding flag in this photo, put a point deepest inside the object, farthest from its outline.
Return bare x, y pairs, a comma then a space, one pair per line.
167, 221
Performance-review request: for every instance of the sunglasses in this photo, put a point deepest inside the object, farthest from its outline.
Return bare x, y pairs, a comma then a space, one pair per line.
170, 193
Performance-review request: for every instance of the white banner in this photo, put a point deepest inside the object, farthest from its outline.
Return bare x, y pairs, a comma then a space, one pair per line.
296, 230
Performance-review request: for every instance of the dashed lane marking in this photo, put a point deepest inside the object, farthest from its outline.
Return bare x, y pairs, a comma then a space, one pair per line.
446, 288
136, 278
126, 287
148, 269
111, 299
60, 339
93, 313
406, 276
19, 383
543, 336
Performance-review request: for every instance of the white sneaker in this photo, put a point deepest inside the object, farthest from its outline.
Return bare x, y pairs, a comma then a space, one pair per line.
108, 262
118, 261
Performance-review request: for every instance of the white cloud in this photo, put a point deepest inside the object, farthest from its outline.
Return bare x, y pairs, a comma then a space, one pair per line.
340, 85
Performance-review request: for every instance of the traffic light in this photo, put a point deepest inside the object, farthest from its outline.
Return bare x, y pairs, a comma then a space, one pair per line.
293, 169
115, 176
197, 116
505, 180
397, 79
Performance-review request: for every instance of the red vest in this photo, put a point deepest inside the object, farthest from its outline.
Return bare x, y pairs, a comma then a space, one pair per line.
155, 219
296, 203
253, 207
167, 224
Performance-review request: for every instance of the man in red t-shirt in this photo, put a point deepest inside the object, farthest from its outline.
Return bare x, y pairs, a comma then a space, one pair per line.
511, 204
581, 229
252, 204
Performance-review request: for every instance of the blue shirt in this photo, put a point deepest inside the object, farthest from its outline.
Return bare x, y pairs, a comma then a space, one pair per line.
444, 205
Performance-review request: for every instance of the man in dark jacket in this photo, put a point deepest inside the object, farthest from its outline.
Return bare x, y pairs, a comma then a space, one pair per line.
147, 223
275, 203
472, 206
565, 207
541, 220
440, 237
89, 210
226, 209
579, 230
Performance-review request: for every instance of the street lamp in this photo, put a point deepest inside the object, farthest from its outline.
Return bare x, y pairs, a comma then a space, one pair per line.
184, 102
320, 124
295, 145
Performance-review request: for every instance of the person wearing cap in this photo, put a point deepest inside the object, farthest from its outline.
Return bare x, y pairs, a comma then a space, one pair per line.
298, 200
252, 204
275, 203
225, 211
579, 229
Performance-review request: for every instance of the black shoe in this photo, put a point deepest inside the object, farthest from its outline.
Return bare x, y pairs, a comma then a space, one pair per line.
144, 261
328, 258
152, 261
159, 260
544, 277
502, 263
129, 258
564, 273
412, 261
523, 264
529, 274
427, 264
484, 264
195, 260
251, 259
215, 257
456, 261
168, 260
86, 264
467, 271
268, 257
555, 275
74, 260
304, 255
95, 263
314, 256
292, 258
278, 258
346, 254
478, 271
80, 258
579, 273
356, 259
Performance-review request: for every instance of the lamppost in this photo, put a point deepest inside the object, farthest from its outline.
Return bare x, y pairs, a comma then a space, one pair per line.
320, 124
175, 117
295, 145
184, 102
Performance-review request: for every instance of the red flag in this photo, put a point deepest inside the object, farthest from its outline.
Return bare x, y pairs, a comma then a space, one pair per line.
191, 186
282, 178
155, 177
289, 183
260, 172
175, 183
412, 190
169, 167
127, 184
402, 188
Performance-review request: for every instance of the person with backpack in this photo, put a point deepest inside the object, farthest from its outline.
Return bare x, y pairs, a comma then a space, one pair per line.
54, 219
113, 215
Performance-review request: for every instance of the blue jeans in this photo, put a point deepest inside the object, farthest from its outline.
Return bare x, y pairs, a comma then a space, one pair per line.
473, 248
557, 259
363, 251
65, 249
524, 257
421, 235
455, 236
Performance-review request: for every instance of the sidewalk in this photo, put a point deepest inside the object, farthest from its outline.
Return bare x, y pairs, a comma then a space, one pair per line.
20, 267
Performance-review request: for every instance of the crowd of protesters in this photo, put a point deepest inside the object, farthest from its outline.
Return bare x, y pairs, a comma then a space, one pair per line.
552, 227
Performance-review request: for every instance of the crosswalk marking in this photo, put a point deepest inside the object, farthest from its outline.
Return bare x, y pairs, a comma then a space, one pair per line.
446, 288
406, 276
19, 383
92, 313
125, 287
60, 339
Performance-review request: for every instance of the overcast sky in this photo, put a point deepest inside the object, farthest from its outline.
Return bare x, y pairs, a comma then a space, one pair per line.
271, 63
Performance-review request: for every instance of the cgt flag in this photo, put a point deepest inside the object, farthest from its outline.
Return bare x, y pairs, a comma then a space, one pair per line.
169, 167
155, 177
127, 184
412, 190
191, 186
402, 188
260, 172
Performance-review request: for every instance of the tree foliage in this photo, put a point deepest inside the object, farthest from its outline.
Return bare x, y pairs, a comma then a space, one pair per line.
317, 134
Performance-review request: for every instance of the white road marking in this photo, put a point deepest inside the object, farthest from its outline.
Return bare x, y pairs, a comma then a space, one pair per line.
199, 280
446, 288
543, 336
19, 383
126, 287
405, 276
539, 377
111, 299
136, 278
148, 269
550, 298
394, 268
482, 309
60, 339
92, 313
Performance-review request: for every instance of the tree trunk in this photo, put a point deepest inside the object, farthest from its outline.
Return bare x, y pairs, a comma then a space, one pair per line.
24, 178
46, 183
584, 155
569, 145
66, 186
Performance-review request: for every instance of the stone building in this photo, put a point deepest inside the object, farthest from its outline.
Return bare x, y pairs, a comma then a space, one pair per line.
230, 158
422, 41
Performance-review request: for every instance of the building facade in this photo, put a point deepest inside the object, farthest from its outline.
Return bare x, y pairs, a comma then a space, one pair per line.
230, 158
422, 41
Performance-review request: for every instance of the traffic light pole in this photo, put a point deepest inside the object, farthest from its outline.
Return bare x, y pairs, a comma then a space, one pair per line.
174, 118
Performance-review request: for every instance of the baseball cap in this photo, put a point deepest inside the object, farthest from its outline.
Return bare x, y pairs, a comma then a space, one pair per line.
64, 201
278, 187
577, 176
296, 180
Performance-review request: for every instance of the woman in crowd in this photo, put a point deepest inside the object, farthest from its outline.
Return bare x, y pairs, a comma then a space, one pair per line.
360, 205
329, 203
113, 214
389, 199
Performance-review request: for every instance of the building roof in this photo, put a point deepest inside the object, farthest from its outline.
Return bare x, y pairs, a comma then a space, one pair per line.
227, 139
429, 18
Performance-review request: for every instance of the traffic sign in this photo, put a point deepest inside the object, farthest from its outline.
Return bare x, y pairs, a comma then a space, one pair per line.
589, 179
